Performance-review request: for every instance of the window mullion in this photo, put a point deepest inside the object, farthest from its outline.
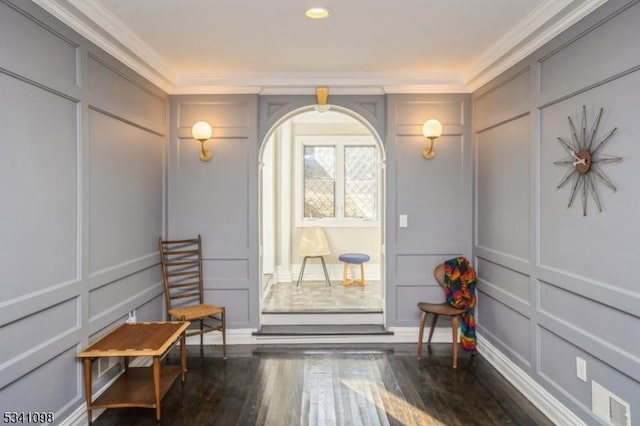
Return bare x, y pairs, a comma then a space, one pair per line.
340, 177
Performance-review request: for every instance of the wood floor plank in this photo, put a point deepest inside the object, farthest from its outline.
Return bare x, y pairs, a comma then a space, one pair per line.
328, 385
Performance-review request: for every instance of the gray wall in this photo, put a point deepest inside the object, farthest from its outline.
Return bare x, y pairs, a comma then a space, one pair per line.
435, 195
219, 199
555, 285
83, 161
81, 166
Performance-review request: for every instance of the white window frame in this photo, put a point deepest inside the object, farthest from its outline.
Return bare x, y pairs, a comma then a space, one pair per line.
339, 142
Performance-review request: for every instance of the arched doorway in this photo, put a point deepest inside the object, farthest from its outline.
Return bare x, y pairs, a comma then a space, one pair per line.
318, 169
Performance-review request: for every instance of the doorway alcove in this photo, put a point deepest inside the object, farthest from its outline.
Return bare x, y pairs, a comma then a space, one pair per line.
295, 129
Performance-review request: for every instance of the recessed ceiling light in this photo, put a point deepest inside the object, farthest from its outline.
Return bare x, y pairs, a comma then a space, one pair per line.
318, 13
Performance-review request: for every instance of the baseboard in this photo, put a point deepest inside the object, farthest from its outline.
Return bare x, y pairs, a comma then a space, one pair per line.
532, 390
77, 418
283, 275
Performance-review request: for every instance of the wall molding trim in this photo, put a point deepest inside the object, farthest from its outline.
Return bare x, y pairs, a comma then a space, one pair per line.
531, 34
108, 43
536, 394
78, 417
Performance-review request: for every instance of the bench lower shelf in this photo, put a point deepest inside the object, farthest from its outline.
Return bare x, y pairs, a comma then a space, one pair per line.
135, 388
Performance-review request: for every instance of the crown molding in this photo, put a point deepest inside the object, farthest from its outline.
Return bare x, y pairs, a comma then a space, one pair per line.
141, 64
98, 25
118, 30
534, 31
305, 83
335, 90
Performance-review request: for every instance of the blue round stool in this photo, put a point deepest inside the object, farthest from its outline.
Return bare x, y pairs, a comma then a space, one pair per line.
353, 259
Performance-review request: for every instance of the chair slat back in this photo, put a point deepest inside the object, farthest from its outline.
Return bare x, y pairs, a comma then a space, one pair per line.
181, 271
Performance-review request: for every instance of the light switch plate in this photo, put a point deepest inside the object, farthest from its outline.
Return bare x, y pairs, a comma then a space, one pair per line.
581, 369
403, 221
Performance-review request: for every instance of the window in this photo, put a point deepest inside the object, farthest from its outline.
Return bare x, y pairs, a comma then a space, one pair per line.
339, 179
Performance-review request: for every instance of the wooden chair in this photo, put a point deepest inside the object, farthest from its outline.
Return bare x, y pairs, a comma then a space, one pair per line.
437, 309
183, 289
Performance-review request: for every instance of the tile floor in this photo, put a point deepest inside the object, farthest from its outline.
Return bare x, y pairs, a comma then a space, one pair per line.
317, 296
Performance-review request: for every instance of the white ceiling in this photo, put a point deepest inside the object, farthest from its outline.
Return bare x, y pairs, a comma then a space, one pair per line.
365, 46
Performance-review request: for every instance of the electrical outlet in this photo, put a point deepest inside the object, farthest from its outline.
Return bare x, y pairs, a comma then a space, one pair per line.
581, 369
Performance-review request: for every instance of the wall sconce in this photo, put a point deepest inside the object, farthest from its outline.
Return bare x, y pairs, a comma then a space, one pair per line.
201, 131
431, 129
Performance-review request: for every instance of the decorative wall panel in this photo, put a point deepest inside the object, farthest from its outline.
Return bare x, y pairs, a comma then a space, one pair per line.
226, 269
126, 191
608, 48
237, 302
503, 177
60, 319
511, 328
615, 331
107, 297
132, 100
52, 62
513, 283
38, 165
505, 101
34, 391
583, 245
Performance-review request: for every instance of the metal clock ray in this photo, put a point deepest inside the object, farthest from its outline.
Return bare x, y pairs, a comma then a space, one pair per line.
584, 161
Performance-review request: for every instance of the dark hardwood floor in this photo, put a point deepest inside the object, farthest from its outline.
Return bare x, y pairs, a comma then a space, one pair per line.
335, 385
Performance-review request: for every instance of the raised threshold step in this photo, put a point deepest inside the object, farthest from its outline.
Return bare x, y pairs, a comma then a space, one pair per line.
323, 330
323, 317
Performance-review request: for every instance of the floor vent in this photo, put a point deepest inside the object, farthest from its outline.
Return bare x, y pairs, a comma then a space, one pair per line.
609, 407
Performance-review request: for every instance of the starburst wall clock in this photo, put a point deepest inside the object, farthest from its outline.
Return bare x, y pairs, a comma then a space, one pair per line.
584, 161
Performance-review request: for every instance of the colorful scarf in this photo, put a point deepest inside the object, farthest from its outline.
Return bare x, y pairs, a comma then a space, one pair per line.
460, 291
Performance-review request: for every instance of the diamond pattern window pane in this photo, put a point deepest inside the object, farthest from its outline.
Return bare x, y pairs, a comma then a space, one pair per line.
319, 181
360, 182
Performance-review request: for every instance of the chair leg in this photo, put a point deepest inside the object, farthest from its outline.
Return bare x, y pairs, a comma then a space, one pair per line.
433, 327
326, 274
423, 320
304, 262
345, 274
362, 274
224, 333
201, 337
454, 332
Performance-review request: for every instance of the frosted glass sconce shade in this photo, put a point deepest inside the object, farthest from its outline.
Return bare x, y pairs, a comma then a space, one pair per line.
201, 132
431, 129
